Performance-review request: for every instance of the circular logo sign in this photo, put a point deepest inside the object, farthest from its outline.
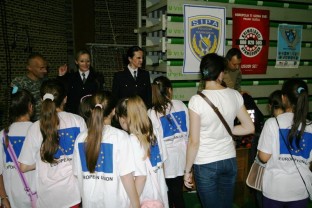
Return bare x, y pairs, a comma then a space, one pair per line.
251, 42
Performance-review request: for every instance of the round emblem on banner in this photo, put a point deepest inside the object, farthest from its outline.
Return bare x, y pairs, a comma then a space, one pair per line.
251, 42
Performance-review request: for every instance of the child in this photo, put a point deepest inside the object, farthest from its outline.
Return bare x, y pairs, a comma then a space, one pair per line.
275, 103
103, 160
85, 107
133, 118
12, 190
170, 119
285, 146
48, 148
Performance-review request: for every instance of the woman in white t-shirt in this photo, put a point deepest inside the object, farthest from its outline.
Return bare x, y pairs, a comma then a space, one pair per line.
147, 147
210, 147
12, 190
285, 145
170, 119
49, 147
103, 159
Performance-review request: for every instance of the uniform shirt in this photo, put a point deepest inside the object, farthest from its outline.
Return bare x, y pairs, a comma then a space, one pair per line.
55, 181
33, 87
215, 143
281, 179
175, 140
104, 188
13, 184
233, 79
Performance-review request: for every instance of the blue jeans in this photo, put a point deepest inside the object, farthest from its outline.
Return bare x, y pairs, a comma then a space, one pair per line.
215, 183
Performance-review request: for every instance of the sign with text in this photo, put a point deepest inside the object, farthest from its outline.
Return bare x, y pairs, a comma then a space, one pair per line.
204, 32
288, 46
251, 36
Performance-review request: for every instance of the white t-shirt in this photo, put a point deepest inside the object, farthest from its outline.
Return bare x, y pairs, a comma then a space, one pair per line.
175, 140
215, 142
281, 179
12, 182
150, 191
56, 184
104, 188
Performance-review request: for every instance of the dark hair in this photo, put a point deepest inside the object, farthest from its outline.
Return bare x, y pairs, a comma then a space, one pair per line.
19, 106
33, 56
233, 52
161, 97
296, 91
275, 101
80, 52
102, 104
49, 120
132, 50
211, 66
84, 108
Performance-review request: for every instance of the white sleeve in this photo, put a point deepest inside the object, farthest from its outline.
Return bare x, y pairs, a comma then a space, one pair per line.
267, 136
138, 151
125, 155
30, 147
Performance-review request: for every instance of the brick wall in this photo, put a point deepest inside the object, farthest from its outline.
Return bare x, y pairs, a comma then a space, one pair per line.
49, 25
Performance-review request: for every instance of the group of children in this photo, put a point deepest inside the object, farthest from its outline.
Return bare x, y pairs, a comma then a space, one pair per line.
70, 159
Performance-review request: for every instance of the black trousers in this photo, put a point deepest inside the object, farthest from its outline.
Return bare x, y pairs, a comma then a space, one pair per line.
175, 192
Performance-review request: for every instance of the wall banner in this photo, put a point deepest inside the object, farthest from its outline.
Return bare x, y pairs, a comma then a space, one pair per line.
204, 32
288, 46
251, 36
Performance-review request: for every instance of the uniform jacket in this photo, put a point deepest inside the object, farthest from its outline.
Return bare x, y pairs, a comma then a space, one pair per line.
124, 85
76, 89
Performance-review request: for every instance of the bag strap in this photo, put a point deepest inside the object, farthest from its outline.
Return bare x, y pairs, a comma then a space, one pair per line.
279, 129
216, 110
14, 158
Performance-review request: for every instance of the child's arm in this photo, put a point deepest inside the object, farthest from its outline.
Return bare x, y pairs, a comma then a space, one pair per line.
25, 168
129, 185
4, 198
139, 183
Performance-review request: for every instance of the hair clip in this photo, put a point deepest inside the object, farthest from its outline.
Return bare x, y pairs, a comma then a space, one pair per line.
300, 89
99, 105
85, 97
205, 73
14, 89
48, 96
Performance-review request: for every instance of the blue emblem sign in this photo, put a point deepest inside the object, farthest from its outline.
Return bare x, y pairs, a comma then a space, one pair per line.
204, 35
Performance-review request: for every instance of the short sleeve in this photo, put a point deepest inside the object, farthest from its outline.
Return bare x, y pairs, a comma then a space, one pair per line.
125, 154
267, 136
139, 154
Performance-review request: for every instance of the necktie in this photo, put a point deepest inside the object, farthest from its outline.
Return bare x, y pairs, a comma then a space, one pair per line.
135, 75
83, 78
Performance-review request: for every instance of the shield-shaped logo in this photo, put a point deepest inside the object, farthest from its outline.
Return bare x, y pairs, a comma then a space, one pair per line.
204, 35
290, 36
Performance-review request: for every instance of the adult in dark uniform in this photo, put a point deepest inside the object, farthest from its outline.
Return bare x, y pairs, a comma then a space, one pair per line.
133, 80
83, 82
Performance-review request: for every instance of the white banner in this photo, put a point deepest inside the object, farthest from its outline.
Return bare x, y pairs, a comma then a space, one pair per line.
204, 32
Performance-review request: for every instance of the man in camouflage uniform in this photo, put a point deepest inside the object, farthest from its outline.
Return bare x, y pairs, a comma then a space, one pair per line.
32, 80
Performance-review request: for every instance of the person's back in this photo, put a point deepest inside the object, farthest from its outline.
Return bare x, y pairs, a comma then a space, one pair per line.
211, 150
103, 159
170, 118
281, 180
20, 111
49, 145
